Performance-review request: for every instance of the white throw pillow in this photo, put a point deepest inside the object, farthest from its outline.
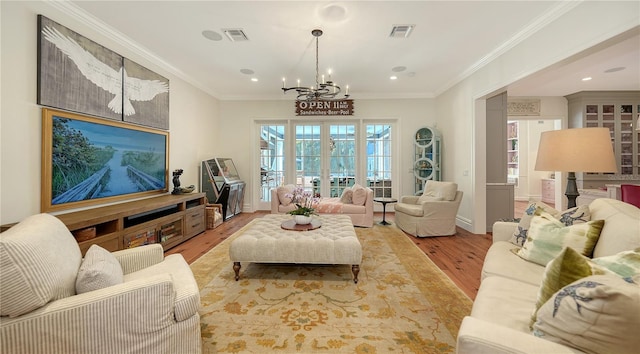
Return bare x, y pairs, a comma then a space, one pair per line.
359, 194
39, 259
437, 189
596, 314
99, 269
283, 191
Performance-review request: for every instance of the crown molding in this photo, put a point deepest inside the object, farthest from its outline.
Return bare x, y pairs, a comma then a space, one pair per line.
91, 21
542, 21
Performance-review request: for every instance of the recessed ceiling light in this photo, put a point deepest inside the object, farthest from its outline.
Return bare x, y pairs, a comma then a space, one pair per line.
393, 77
586, 78
211, 35
613, 70
247, 71
333, 13
254, 79
398, 69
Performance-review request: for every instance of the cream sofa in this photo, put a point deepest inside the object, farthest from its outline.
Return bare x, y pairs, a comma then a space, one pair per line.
152, 308
361, 215
499, 320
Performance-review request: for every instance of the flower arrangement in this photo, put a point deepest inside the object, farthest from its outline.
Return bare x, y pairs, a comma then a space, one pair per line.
304, 201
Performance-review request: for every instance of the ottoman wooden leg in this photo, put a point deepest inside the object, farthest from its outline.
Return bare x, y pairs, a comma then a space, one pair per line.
355, 269
236, 268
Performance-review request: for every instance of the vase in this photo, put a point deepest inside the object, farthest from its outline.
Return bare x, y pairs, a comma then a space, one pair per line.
301, 219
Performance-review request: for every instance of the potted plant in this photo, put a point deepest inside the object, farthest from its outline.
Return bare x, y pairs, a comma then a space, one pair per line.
305, 205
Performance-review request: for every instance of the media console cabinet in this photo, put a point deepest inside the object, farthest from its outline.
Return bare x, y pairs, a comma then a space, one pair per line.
167, 219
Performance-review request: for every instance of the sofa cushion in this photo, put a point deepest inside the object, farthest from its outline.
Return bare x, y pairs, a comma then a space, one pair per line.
579, 214
284, 194
438, 189
597, 314
409, 209
621, 230
505, 302
359, 195
501, 261
99, 269
548, 236
347, 196
39, 259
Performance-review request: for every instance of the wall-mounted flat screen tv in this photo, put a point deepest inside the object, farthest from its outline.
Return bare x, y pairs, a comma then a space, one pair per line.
89, 161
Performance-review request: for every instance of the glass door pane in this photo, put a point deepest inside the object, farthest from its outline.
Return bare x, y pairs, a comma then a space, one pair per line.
342, 158
308, 157
272, 158
378, 142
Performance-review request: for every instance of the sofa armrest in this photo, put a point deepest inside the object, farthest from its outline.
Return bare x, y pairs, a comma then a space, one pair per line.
137, 258
503, 230
409, 199
481, 337
275, 201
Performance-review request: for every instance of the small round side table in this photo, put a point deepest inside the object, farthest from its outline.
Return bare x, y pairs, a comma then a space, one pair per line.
384, 202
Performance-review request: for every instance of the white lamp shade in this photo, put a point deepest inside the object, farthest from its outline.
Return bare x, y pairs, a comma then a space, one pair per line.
576, 150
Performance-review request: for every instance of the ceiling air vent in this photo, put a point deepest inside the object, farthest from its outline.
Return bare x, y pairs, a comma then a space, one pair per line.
401, 31
235, 34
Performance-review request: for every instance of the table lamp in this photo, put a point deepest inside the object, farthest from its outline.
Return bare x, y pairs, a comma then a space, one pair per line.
576, 150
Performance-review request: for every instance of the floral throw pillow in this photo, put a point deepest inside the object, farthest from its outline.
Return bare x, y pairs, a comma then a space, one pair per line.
579, 214
596, 314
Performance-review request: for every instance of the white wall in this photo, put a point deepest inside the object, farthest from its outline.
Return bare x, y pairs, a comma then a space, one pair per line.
193, 114
552, 109
237, 125
460, 110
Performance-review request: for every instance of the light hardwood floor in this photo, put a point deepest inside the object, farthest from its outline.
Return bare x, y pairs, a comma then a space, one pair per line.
459, 256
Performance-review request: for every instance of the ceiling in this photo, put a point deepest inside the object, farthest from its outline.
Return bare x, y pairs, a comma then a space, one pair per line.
449, 42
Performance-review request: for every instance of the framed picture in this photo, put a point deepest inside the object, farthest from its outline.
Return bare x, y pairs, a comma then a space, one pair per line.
77, 74
147, 96
89, 161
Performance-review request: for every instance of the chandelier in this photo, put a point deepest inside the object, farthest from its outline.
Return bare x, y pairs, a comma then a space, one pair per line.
325, 90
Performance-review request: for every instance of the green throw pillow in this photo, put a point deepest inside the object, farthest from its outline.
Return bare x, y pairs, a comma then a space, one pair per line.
579, 214
563, 270
570, 266
547, 236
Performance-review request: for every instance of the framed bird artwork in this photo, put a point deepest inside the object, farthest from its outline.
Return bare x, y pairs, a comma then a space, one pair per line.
79, 75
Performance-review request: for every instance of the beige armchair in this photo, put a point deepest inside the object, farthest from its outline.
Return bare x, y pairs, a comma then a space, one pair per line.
130, 301
431, 214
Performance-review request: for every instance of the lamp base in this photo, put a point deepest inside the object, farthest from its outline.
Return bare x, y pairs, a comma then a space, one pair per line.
572, 190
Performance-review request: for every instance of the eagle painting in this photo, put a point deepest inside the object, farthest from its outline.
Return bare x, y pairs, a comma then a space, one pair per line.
105, 76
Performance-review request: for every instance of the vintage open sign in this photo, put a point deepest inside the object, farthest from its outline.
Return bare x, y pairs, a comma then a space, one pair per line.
324, 108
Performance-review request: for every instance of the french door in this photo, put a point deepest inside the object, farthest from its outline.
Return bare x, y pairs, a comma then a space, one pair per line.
325, 157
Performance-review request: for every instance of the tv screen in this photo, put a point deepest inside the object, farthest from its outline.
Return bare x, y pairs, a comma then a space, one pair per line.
89, 160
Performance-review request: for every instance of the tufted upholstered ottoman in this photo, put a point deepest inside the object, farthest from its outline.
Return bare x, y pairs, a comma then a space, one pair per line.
264, 241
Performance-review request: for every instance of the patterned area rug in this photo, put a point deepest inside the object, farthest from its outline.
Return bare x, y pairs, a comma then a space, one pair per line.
402, 303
